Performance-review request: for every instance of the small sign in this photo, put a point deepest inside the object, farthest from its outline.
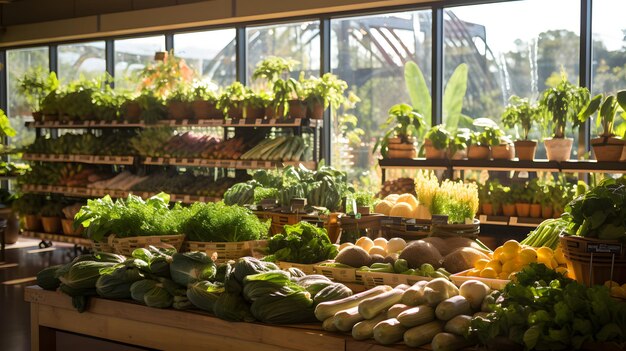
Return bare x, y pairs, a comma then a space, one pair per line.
615, 249
297, 205
440, 219
268, 203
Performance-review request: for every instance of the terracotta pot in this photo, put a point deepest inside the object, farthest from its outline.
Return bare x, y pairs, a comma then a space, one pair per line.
503, 152
178, 110
364, 210
132, 111
522, 209
254, 112
487, 209
297, 109
12, 231
32, 222
401, 153
37, 116
608, 149
205, 110
235, 111
458, 154
51, 224
558, 149
272, 112
508, 210
546, 212
478, 152
525, 149
68, 227
433, 153
315, 111
535, 210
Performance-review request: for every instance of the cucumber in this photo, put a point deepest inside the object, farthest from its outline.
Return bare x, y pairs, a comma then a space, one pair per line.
423, 334
417, 316
453, 307
365, 329
389, 331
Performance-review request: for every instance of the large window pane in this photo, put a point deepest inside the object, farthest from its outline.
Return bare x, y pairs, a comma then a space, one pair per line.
132, 55
369, 53
211, 54
18, 63
511, 48
609, 52
299, 41
83, 59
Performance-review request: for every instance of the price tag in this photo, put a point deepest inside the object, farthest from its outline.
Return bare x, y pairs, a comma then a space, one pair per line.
522, 174
615, 249
297, 205
440, 219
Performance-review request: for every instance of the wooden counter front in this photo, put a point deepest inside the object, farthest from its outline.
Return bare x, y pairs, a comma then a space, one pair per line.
168, 329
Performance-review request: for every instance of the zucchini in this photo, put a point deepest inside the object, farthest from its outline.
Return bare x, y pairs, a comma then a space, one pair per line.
414, 295
328, 309
439, 289
458, 325
389, 331
365, 329
329, 324
453, 307
371, 307
396, 309
417, 316
331, 292
346, 319
422, 334
449, 342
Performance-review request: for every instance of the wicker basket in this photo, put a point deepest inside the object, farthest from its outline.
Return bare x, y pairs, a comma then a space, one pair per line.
306, 268
601, 267
228, 250
341, 275
374, 279
99, 246
126, 246
470, 231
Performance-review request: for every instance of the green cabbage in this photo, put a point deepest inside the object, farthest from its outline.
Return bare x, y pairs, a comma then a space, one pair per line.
204, 294
116, 285
47, 278
84, 274
232, 307
152, 293
246, 266
190, 267
158, 260
294, 308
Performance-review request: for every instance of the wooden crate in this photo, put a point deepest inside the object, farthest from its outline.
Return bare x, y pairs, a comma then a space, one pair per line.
406, 228
373, 279
342, 275
280, 219
126, 246
462, 277
306, 268
228, 250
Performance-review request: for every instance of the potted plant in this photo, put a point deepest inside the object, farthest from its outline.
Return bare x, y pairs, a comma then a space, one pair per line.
436, 142
67, 222
521, 113
544, 197
178, 102
497, 194
484, 198
608, 147
275, 71
51, 214
28, 207
504, 150
35, 86
522, 198
534, 189
50, 106
151, 107
364, 202
321, 93
508, 202
254, 104
107, 103
459, 144
403, 125
480, 142
231, 100
204, 102
564, 103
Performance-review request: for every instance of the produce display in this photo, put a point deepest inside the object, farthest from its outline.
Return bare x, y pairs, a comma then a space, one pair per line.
324, 187
282, 148
247, 290
220, 222
11, 169
301, 243
109, 144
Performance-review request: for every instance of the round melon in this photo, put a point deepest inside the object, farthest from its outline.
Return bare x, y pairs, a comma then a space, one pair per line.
382, 242
392, 198
344, 245
353, 256
409, 199
401, 209
419, 252
365, 243
383, 207
377, 250
395, 245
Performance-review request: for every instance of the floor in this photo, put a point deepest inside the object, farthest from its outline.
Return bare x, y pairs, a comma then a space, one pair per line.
18, 268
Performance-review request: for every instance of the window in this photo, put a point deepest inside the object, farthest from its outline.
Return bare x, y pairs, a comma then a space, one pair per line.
369, 53
132, 55
297, 41
18, 63
83, 59
211, 54
609, 53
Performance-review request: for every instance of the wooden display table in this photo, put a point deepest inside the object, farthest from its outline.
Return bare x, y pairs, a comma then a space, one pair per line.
170, 329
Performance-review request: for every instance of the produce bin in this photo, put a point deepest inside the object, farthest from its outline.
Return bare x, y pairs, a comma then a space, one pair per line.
341, 275
469, 231
405, 228
594, 261
373, 279
228, 250
462, 277
308, 269
126, 246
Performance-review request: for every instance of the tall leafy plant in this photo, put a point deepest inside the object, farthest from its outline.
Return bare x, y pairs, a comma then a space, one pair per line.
607, 111
403, 122
453, 95
520, 112
35, 85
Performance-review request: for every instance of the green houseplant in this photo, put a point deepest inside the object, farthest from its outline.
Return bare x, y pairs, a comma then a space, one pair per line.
403, 125
608, 147
459, 142
231, 100
482, 141
564, 103
275, 72
254, 104
204, 102
35, 85
522, 198
323, 92
521, 113
28, 206
51, 214
436, 142
534, 190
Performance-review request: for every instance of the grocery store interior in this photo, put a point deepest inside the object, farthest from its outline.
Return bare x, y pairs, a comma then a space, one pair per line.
338, 175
